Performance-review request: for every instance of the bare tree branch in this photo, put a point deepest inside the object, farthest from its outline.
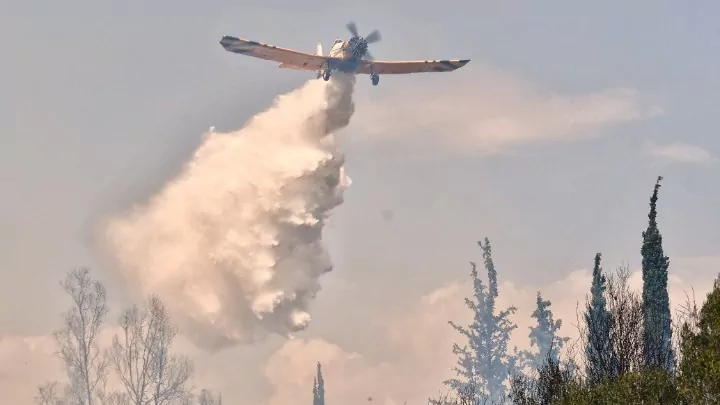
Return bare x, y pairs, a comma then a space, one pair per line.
626, 328
48, 395
141, 357
86, 367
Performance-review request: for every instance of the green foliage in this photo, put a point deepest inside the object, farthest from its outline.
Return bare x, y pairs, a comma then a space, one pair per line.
553, 379
657, 348
598, 350
556, 385
635, 333
700, 365
648, 387
628, 351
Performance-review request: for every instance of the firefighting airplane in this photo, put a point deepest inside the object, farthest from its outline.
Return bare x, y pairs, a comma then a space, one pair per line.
349, 56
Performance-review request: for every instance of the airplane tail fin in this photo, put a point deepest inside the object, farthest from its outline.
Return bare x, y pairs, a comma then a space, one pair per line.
319, 53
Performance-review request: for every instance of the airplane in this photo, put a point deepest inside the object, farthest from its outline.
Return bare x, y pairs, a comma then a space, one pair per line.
351, 56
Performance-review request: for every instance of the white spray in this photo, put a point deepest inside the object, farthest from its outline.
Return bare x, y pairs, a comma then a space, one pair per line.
233, 244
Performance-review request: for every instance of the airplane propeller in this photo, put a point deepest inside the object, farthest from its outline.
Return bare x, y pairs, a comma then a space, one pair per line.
360, 44
352, 27
373, 37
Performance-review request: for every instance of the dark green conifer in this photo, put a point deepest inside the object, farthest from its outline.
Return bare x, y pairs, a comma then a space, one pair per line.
657, 350
598, 351
319, 387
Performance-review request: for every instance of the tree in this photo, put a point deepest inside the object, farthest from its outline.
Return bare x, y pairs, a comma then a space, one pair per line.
700, 342
657, 349
207, 398
626, 321
484, 364
598, 354
544, 336
142, 360
553, 380
78, 347
319, 387
644, 387
315, 392
48, 395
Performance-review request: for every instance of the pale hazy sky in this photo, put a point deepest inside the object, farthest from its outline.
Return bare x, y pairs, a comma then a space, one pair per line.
548, 142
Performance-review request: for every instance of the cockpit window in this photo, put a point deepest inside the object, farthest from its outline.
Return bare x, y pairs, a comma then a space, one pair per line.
337, 41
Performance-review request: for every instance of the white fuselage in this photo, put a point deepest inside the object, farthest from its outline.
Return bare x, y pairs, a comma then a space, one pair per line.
337, 50
343, 59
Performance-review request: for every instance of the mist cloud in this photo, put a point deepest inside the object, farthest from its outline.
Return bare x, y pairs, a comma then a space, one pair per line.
481, 110
681, 152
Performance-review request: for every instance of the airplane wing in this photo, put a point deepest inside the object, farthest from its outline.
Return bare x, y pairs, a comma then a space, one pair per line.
287, 57
404, 67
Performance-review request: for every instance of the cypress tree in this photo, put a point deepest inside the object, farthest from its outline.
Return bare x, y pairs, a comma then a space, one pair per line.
484, 363
318, 387
657, 350
315, 392
598, 351
544, 336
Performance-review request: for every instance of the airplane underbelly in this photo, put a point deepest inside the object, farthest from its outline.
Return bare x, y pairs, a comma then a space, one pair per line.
346, 65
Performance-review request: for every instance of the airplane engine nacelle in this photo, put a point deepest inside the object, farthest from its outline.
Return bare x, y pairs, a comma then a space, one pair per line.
357, 47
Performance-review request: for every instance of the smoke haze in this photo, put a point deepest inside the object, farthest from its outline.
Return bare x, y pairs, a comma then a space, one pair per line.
233, 244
